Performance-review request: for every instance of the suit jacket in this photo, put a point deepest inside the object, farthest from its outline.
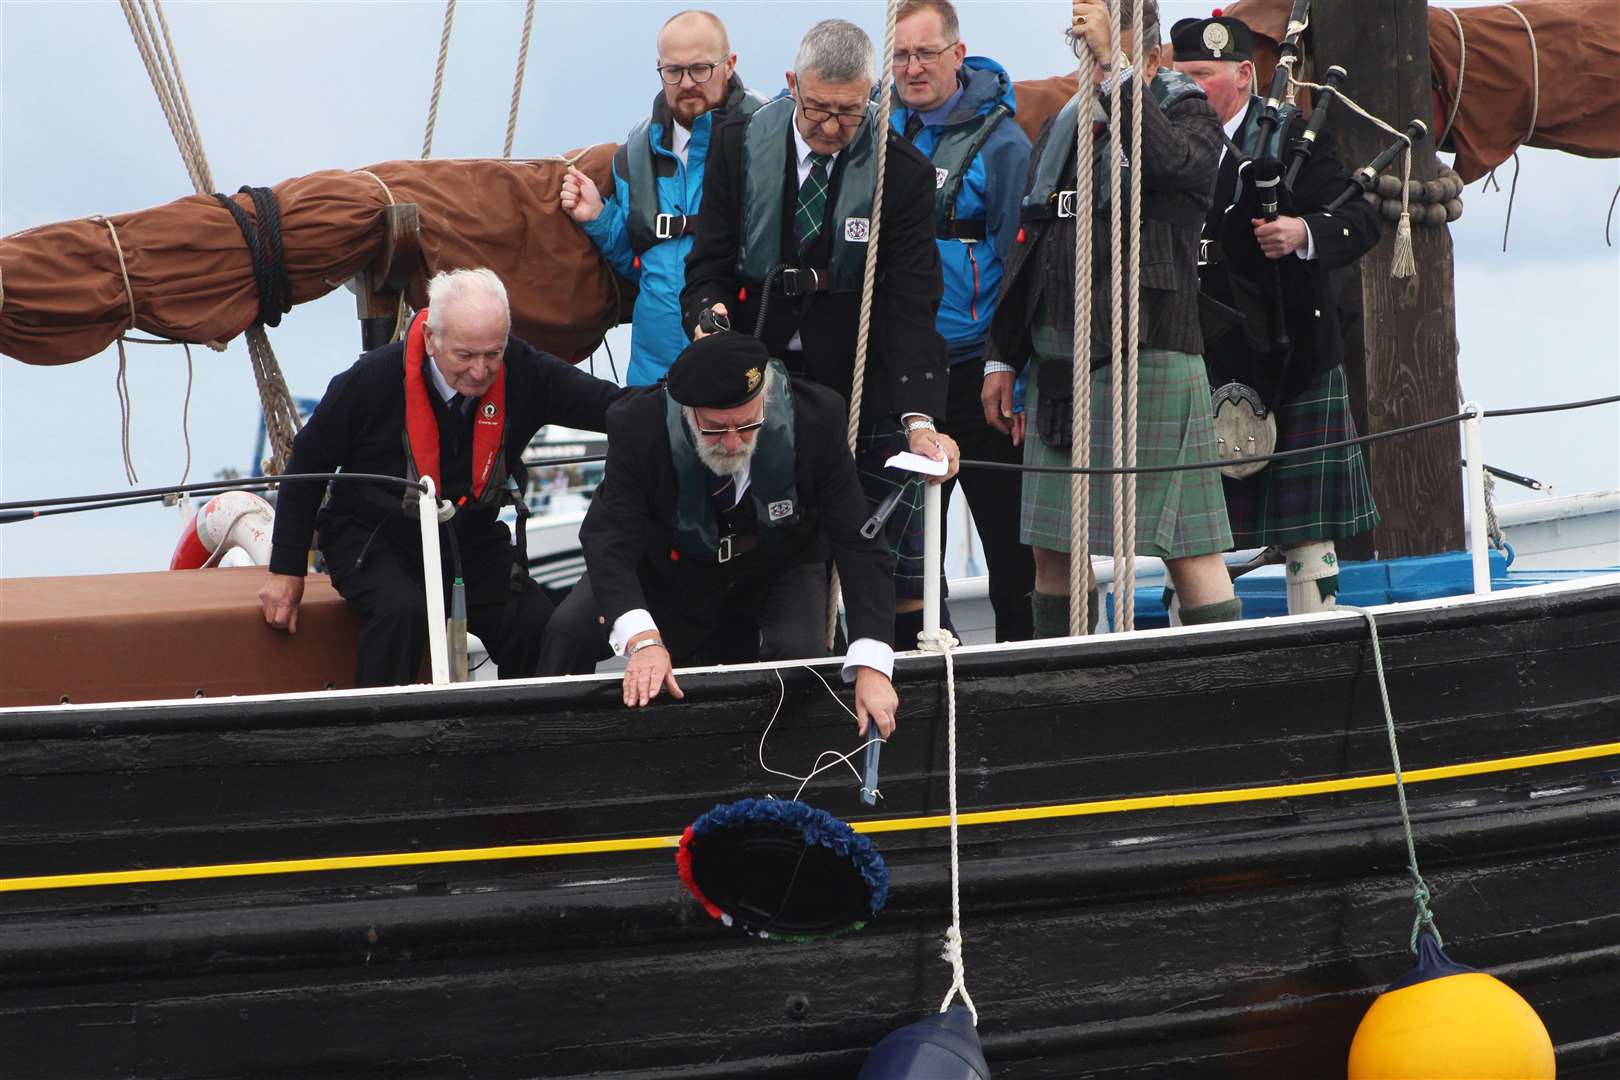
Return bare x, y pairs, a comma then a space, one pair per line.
628, 533
1310, 310
1179, 148
906, 369
359, 426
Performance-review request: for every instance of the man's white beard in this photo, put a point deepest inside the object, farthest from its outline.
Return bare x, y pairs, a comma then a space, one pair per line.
716, 458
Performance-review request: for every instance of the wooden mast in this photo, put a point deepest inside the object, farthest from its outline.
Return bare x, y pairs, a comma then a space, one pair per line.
1405, 369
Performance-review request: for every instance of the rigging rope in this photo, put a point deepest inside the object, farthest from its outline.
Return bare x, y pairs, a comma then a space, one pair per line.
1080, 417
1125, 582
864, 326
1420, 888
162, 64
438, 80
517, 80
942, 642
1117, 276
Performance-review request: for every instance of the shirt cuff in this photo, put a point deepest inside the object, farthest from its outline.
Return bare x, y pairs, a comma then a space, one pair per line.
1310, 243
626, 626
1116, 79
868, 652
993, 366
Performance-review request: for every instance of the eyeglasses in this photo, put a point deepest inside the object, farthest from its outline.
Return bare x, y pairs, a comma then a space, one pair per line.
674, 73
740, 429
821, 116
924, 57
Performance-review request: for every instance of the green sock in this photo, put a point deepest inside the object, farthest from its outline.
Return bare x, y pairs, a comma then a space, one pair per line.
1222, 611
1051, 614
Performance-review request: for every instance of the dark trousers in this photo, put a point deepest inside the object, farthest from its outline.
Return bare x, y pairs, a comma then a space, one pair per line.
384, 583
780, 618
993, 496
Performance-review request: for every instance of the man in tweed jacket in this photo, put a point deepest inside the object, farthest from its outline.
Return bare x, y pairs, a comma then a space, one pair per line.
1181, 516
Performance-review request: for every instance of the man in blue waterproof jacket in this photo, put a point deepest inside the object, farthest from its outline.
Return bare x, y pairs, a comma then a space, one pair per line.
644, 227
957, 109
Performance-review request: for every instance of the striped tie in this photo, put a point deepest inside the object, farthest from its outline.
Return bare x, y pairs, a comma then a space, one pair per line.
812, 202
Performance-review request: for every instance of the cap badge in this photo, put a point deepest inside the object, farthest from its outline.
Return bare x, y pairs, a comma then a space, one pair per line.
1217, 38
753, 377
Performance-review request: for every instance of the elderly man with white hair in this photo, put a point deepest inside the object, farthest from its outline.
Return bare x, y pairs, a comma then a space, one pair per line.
457, 400
788, 202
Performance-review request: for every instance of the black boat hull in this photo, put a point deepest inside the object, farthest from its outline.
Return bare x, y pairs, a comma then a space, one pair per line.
1235, 920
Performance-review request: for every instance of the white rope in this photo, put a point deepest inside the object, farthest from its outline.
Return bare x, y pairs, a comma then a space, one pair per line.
1403, 265
1462, 73
1535, 74
1116, 282
517, 80
945, 644
864, 326
1125, 580
438, 80
1080, 419
817, 768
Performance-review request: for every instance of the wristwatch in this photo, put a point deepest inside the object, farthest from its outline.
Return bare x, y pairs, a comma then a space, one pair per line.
921, 423
645, 643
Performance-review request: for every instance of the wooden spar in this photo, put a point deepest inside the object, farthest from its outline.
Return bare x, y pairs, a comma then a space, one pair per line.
377, 287
1402, 360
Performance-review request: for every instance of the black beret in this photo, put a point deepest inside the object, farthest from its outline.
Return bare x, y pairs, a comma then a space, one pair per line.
721, 370
1219, 38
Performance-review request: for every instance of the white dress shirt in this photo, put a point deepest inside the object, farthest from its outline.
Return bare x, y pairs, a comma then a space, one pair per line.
679, 139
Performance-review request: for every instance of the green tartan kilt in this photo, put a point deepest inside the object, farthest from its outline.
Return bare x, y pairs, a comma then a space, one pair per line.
1325, 496
904, 529
1178, 514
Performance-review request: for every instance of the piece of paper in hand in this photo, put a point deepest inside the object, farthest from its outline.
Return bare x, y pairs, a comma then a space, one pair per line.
916, 463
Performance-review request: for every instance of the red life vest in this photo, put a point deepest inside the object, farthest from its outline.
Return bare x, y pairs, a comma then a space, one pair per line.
422, 426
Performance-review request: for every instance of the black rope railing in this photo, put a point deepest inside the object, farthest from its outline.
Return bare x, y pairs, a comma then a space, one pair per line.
30, 508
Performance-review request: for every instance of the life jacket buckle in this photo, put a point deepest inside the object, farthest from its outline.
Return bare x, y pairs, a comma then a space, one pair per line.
1065, 203
664, 226
792, 285
724, 553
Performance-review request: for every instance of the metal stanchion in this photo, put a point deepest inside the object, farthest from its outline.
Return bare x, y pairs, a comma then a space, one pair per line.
433, 584
931, 559
1479, 550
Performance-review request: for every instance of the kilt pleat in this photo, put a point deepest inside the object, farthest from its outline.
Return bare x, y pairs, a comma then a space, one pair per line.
1323, 496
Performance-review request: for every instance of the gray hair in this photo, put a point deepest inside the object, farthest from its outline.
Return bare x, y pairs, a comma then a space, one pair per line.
836, 51
453, 288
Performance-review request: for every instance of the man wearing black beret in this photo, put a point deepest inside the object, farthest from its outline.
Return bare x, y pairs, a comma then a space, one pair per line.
1264, 269
727, 488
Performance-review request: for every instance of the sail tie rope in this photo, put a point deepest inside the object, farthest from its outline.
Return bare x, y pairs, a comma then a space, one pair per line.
942, 642
864, 326
1080, 414
262, 235
1421, 895
517, 80
1462, 73
169, 84
438, 80
1535, 114
1403, 265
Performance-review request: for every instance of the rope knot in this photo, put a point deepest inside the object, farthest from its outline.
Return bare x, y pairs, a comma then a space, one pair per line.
940, 641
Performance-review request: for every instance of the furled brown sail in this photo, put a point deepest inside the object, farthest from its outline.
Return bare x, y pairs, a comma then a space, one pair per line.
191, 278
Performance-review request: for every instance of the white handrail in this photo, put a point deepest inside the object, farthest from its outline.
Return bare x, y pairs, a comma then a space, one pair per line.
932, 527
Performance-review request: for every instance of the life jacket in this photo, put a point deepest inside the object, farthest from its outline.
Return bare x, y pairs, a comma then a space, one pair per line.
1248, 133
765, 163
422, 428
772, 481
1046, 198
641, 168
952, 157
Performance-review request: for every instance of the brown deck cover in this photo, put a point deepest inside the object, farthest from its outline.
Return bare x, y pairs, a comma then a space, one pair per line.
192, 279
171, 634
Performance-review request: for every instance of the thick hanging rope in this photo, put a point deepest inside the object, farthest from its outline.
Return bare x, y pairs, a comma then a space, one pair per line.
1125, 561
1420, 888
517, 80
163, 69
1116, 284
438, 80
864, 326
1080, 418
945, 644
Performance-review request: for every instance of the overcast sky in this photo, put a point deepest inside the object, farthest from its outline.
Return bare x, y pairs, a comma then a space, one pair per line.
282, 89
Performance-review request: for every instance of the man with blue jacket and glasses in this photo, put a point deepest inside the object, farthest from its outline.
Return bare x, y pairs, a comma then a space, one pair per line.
957, 110
644, 227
